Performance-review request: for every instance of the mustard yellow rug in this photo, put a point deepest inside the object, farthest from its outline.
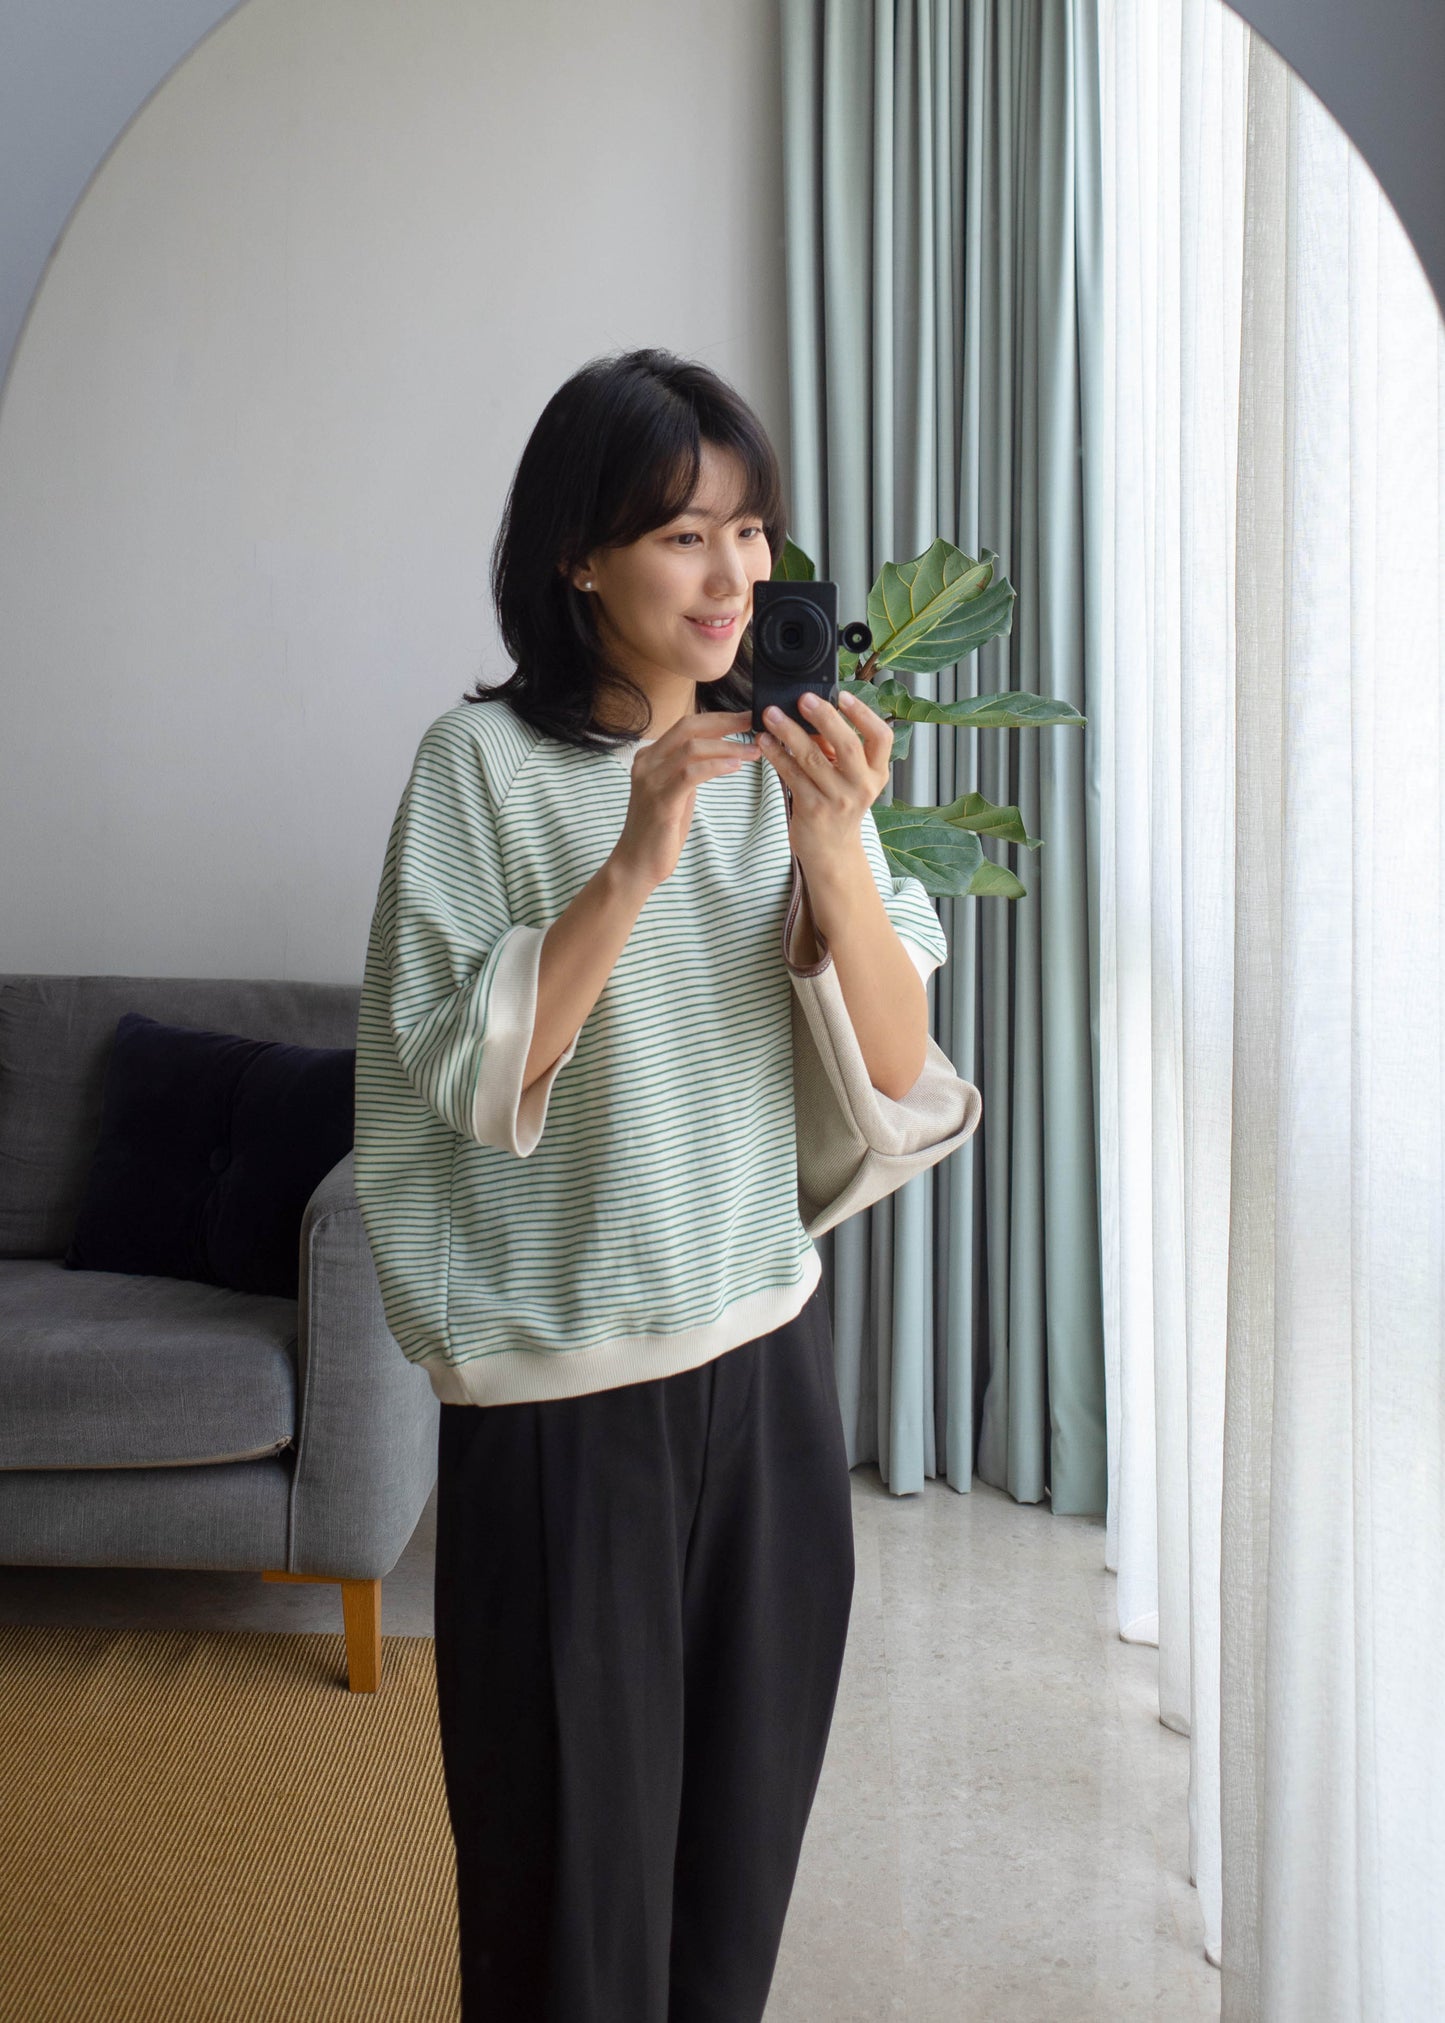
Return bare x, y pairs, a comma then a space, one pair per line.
199, 1825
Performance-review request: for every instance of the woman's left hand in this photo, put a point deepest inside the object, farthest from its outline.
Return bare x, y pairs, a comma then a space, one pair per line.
835, 774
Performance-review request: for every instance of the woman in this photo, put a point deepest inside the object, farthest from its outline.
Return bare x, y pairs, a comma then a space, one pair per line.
576, 1163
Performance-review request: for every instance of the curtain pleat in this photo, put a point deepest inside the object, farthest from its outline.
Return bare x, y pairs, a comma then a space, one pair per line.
1139, 318
1264, 408
932, 224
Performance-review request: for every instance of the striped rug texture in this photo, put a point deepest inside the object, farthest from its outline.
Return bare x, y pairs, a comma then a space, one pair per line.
199, 1825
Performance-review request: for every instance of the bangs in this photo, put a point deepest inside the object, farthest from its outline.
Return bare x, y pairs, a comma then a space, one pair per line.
662, 478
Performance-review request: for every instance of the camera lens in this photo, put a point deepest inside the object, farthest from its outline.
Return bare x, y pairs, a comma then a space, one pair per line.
794, 634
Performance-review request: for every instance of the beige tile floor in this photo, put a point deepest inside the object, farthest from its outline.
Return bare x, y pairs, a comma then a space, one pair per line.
1001, 1829
1000, 1833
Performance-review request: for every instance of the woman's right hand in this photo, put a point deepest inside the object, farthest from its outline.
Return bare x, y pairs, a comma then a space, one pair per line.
665, 779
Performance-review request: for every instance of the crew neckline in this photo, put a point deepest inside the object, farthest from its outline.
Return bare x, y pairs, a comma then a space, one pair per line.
625, 754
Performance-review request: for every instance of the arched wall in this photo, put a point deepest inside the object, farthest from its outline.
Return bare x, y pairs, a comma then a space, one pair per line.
256, 434
256, 439
72, 77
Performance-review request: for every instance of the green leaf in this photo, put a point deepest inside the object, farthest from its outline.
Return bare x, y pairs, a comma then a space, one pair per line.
928, 613
1017, 709
866, 691
793, 566
869, 693
1014, 710
945, 857
924, 615
996, 881
975, 812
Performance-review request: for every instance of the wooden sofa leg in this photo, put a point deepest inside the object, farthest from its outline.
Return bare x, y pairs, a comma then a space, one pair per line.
361, 1615
361, 1612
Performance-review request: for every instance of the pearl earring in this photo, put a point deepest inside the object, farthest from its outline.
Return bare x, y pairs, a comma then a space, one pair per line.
588, 584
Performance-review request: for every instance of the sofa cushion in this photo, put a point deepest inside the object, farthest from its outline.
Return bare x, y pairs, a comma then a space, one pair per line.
111, 1370
210, 1147
56, 1036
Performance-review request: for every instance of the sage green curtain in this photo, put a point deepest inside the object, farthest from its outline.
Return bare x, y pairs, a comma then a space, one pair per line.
939, 232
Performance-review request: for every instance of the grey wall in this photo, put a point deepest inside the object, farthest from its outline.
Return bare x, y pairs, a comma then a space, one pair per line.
73, 73
1380, 68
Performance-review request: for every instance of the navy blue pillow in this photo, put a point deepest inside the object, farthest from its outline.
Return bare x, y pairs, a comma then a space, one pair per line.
210, 1147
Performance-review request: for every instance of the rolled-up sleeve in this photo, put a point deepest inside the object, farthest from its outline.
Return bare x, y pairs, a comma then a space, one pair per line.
907, 904
462, 1000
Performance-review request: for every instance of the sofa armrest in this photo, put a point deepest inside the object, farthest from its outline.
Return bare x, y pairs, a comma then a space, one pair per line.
366, 1418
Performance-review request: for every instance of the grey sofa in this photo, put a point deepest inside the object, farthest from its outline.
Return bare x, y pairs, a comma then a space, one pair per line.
169, 1423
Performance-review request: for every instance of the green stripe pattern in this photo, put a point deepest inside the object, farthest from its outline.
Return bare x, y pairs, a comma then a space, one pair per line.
662, 1191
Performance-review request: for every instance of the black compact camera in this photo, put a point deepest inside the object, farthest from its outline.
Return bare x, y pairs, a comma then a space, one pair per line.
795, 645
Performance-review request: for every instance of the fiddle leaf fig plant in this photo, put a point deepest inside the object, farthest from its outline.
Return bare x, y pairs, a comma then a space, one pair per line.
924, 615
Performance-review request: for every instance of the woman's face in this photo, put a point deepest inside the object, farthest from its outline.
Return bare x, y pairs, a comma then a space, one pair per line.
650, 594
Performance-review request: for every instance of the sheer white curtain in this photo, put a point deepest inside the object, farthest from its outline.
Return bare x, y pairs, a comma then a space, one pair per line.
1268, 397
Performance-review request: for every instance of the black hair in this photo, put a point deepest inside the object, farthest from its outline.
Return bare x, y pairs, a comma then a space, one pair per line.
615, 453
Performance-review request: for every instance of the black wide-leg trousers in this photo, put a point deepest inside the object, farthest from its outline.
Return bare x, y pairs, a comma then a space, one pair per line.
642, 1602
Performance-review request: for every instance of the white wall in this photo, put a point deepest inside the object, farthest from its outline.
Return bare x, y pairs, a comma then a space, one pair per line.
259, 427
72, 73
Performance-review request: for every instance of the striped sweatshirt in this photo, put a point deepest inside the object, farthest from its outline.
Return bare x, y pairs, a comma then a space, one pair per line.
635, 1212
